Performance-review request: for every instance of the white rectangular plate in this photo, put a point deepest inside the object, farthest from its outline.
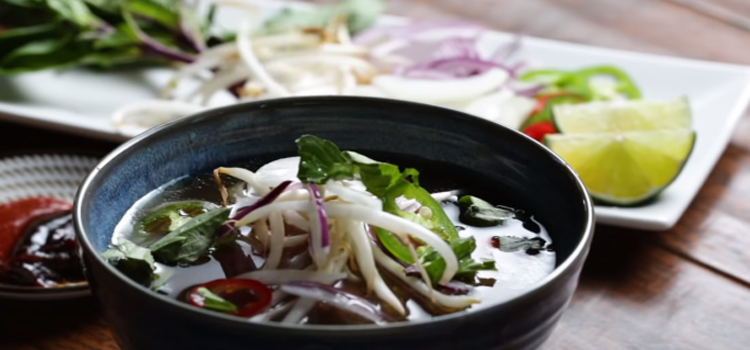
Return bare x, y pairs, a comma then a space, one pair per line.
81, 101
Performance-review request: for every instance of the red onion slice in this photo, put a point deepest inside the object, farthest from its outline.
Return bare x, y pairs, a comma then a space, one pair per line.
319, 235
453, 68
228, 227
336, 297
503, 52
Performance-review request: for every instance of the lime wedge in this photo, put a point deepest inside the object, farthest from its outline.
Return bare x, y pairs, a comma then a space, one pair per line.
622, 116
625, 168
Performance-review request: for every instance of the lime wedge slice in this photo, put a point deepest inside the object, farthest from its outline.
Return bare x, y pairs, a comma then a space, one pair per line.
625, 168
622, 116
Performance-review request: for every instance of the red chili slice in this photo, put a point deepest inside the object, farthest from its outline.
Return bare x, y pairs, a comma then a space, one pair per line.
541, 100
538, 130
16, 215
250, 296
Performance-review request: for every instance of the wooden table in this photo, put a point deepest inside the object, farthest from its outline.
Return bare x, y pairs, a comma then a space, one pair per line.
686, 288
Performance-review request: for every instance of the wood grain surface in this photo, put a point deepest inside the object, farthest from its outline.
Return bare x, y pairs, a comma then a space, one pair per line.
686, 288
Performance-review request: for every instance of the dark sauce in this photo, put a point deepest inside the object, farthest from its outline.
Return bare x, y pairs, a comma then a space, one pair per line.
517, 271
46, 256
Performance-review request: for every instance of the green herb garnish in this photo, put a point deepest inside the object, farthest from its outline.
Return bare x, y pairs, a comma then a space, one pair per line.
512, 244
191, 241
132, 260
321, 160
480, 213
46, 34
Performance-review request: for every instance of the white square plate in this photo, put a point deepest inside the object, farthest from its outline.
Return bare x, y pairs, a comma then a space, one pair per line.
81, 101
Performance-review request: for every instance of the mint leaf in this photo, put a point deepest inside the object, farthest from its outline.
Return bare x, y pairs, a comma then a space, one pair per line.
192, 240
132, 260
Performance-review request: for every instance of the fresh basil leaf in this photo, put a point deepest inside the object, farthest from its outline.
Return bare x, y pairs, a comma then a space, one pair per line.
107, 6
11, 39
26, 3
512, 244
480, 213
215, 302
120, 36
43, 54
192, 240
163, 13
75, 11
379, 177
132, 260
167, 218
434, 263
468, 268
321, 160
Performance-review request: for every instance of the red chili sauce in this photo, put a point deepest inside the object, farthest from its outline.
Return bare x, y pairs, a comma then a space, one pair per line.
37, 243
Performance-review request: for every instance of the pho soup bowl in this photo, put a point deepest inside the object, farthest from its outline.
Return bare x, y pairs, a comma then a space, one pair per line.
504, 162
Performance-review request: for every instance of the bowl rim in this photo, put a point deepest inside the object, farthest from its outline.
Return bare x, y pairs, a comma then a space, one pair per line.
579, 253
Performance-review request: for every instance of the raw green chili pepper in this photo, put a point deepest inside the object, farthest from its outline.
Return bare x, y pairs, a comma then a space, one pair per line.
580, 82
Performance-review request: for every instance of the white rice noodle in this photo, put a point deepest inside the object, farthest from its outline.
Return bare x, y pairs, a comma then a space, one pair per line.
344, 49
332, 60
301, 308
220, 81
277, 241
366, 263
354, 196
245, 175
207, 60
399, 225
245, 45
266, 47
272, 312
303, 305
281, 276
295, 241
373, 217
420, 267
295, 219
260, 230
346, 82
296, 195
449, 301
317, 251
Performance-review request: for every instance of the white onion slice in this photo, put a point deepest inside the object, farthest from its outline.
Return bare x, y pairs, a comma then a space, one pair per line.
441, 91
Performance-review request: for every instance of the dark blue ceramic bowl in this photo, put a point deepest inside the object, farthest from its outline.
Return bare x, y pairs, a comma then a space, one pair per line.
523, 168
